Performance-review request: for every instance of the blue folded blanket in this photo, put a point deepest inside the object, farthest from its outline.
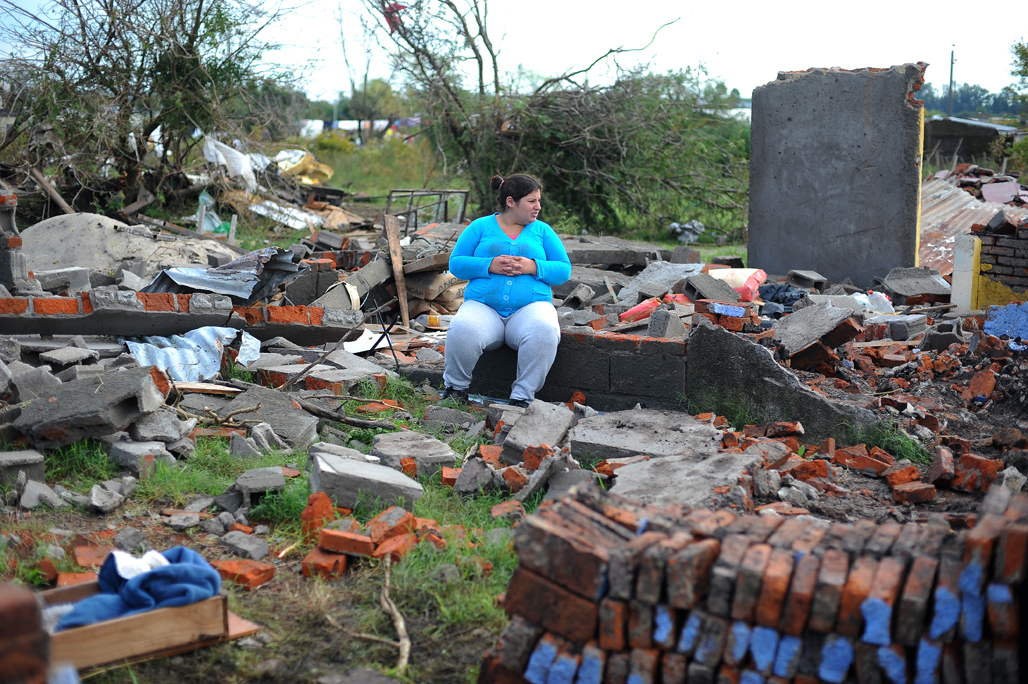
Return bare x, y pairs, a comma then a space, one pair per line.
188, 579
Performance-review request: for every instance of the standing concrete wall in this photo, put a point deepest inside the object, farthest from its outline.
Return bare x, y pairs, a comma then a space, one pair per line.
835, 172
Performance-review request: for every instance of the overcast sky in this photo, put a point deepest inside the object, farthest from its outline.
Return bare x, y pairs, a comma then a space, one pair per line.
744, 43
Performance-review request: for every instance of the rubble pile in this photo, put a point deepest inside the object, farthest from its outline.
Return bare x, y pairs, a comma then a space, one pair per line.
986, 184
610, 591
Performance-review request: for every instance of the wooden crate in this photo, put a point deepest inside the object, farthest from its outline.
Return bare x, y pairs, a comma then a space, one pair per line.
144, 636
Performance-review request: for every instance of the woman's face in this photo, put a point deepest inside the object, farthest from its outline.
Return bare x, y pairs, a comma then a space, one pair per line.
525, 211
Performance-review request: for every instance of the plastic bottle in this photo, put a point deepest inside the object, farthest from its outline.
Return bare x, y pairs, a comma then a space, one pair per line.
434, 321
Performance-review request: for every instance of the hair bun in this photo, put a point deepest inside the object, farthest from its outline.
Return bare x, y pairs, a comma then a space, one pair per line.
495, 182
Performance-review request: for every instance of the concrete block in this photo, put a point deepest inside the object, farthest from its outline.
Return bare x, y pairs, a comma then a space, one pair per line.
254, 484
705, 286
430, 454
807, 280
647, 375
725, 368
580, 296
28, 461
541, 423
902, 327
103, 500
643, 431
835, 173
664, 323
350, 482
92, 407
140, 457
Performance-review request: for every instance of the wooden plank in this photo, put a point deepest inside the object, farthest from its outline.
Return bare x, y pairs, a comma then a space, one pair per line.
203, 388
142, 635
50, 190
72, 594
392, 231
436, 262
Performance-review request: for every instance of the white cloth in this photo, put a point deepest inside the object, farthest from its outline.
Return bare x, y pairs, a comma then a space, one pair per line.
128, 566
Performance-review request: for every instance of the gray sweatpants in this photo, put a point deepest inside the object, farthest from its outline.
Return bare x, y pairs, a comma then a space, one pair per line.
532, 330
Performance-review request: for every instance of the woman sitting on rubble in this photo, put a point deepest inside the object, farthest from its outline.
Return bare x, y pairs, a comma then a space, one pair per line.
510, 260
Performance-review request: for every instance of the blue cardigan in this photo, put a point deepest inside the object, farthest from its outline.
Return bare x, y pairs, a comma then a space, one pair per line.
484, 240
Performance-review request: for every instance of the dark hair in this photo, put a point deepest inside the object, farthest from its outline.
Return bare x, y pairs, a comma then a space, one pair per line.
517, 186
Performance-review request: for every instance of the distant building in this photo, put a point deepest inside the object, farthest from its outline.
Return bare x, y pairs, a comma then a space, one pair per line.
969, 139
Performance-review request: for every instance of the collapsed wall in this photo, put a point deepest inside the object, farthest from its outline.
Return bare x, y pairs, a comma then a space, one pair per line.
835, 172
610, 591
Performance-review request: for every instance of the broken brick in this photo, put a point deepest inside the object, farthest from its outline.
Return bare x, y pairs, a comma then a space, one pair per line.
913, 492
774, 589
856, 457
828, 593
392, 522
858, 585
983, 384
511, 510
613, 617
534, 456
346, 542
913, 605
974, 473
550, 606
943, 470
801, 595
902, 476
248, 574
396, 547
322, 564
687, 573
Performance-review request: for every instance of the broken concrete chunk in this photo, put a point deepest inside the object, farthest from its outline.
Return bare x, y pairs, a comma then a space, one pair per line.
429, 454
902, 327
181, 448
561, 482
341, 451
131, 540
540, 477
438, 416
807, 280
912, 282
35, 383
5, 379
92, 407
808, 325
160, 426
73, 373
622, 434
10, 350
579, 297
140, 457
475, 477
265, 438
349, 482
663, 273
542, 423
725, 369
37, 494
242, 447
103, 500
244, 545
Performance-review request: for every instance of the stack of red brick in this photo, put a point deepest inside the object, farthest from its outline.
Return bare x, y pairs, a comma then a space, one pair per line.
611, 592
24, 644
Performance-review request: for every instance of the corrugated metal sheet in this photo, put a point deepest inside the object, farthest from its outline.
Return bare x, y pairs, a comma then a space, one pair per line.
947, 211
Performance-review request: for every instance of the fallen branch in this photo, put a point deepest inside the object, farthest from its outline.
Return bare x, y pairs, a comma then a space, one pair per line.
343, 418
403, 643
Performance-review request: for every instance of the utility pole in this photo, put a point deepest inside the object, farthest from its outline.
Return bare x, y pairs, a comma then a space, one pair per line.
951, 60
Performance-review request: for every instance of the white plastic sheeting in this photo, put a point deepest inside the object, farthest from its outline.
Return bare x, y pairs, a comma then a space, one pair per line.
237, 163
195, 356
297, 219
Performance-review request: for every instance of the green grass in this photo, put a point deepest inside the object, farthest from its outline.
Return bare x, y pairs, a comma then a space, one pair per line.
737, 413
889, 436
80, 465
210, 472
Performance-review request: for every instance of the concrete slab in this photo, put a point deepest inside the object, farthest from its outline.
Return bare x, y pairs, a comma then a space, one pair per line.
67, 356
92, 407
805, 327
341, 451
429, 453
725, 370
663, 273
642, 431
541, 423
681, 479
297, 427
349, 483
835, 175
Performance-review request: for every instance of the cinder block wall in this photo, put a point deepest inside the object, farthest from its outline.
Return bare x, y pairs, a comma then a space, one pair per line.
614, 372
835, 172
1004, 259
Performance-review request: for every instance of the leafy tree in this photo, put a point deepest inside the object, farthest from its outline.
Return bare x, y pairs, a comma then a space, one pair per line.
645, 149
1020, 69
100, 77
